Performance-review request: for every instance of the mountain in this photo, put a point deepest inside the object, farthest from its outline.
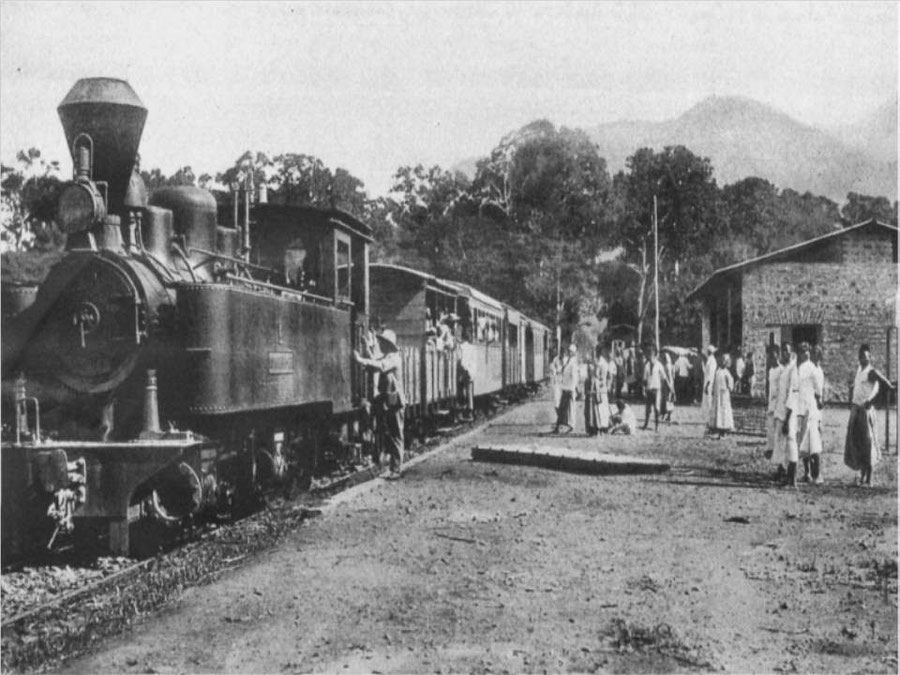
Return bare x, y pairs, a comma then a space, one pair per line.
875, 134
743, 137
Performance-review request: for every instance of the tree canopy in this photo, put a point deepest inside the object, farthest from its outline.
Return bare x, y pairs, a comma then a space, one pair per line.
542, 225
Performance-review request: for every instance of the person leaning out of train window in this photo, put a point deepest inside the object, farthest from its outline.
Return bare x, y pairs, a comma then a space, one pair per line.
447, 339
390, 401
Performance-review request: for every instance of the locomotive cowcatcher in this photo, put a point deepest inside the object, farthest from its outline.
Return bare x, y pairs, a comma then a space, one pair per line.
171, 364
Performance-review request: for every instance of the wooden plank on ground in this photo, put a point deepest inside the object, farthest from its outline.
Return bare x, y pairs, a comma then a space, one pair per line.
567, 459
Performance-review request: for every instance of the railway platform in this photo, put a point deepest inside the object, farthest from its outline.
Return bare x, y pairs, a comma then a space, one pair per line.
473, 566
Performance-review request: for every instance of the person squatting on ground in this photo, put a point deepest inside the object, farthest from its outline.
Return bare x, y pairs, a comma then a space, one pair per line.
721, 418
810, 383
390, 401
785, 419
709, 374
861, 450
653, 382
624, 421
568, 384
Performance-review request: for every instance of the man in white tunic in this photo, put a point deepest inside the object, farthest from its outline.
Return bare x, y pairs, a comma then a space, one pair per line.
709, 374
654, 374
809, 413
773, 448
785, 417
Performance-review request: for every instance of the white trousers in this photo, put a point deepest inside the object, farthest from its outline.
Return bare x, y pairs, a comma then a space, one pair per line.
786, 445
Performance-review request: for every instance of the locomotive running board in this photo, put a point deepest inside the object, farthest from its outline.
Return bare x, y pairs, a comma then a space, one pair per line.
567, 459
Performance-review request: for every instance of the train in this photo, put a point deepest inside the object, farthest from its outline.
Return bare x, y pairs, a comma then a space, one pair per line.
183, 356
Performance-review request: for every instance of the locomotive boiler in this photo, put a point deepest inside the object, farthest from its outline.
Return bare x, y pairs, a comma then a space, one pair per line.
159, 373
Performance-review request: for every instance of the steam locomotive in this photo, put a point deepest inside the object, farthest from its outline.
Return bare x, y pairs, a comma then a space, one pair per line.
173, 365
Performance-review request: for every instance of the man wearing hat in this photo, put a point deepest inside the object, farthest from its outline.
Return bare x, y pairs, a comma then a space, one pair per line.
390, 401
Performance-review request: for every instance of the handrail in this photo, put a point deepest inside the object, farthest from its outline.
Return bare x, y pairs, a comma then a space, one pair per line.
222, 256
283, 289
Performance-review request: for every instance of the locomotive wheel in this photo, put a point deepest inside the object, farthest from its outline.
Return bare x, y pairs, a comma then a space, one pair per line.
178, 495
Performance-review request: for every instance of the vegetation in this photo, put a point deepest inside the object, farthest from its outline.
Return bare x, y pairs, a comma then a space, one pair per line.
542, 225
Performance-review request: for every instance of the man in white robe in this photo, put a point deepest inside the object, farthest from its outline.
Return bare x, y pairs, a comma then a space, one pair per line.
809, 413
773, 448
709, 374
785, 413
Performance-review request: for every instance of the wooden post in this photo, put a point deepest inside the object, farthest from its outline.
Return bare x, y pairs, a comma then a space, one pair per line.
887, 394
727, 316
656, 272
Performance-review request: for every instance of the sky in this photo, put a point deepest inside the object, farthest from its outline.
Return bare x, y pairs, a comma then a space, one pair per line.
374, 86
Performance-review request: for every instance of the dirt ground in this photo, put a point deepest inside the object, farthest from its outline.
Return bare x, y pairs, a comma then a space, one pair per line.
474, 567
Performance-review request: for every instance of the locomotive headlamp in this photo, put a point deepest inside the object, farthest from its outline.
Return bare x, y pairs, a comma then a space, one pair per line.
80, 206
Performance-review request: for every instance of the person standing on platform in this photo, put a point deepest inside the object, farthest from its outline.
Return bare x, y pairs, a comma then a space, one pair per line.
607, 380
861, 451
740, 367
667, 393
709, 374
749, 373
721, 416
785, 417
652, 383
568, 386
555, 389
809, 436
774, 449
591, 401
682, 377
619, 362
390, 401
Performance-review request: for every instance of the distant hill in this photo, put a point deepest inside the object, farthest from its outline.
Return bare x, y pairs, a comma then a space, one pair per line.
743, 137
875, 134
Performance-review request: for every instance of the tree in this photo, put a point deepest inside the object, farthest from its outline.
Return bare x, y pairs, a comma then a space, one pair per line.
30, 192
687, 208
155, 178
860, 208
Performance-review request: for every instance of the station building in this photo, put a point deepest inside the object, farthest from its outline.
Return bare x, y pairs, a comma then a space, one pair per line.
835, 291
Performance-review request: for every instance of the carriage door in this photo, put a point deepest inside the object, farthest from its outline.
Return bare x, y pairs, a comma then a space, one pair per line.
529, 354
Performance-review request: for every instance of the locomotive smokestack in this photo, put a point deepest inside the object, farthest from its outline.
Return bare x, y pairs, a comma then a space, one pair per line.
111, 114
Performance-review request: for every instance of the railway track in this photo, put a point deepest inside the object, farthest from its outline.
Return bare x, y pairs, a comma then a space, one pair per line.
68, 623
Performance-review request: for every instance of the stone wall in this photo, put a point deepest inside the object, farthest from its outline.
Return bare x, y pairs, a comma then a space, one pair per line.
853, 301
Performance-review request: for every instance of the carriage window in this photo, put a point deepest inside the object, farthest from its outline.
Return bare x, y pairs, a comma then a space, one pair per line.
344, 266
294, 264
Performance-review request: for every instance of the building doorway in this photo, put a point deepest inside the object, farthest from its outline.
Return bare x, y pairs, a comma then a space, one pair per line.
811, 333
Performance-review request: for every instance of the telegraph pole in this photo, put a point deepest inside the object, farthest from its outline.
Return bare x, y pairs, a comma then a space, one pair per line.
558, 312
656, 271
